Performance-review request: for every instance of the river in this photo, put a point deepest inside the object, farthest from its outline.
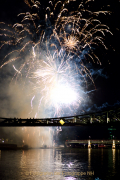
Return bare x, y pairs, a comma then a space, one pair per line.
60, 164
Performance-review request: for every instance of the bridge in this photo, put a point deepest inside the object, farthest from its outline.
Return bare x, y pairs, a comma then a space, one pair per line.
108, 118
98, 143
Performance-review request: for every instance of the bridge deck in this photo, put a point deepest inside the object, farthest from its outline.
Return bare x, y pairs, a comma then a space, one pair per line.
109, 117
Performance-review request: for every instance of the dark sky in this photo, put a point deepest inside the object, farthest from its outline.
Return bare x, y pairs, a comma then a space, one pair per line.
106, 76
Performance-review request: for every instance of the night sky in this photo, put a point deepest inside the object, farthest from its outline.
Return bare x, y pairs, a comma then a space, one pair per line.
106, 76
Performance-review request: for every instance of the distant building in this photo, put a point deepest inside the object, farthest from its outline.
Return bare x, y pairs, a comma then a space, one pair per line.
111, 133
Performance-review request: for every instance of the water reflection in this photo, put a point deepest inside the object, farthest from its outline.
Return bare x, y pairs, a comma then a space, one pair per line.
89, 158
70, 178
118, 157
59, 164
41, 163
102, 156
113, 154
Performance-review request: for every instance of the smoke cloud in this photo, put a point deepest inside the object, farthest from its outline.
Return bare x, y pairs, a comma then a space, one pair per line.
15, 101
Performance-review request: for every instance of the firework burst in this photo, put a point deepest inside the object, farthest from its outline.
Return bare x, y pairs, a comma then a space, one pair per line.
57, 82
50, 45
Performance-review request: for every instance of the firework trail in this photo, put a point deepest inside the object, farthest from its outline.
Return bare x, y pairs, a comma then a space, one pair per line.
51, 44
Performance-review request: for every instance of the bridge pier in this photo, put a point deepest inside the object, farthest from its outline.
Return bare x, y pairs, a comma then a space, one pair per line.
89, 145
113, 144
108, 118
91, 119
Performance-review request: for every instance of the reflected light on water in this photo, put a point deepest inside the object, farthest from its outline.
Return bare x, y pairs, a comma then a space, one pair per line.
59, 164
102, 156
70, 164
89, 158
113, 154
70, 178
43, 163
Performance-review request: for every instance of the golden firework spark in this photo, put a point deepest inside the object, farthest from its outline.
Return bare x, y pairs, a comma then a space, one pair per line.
71, 42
